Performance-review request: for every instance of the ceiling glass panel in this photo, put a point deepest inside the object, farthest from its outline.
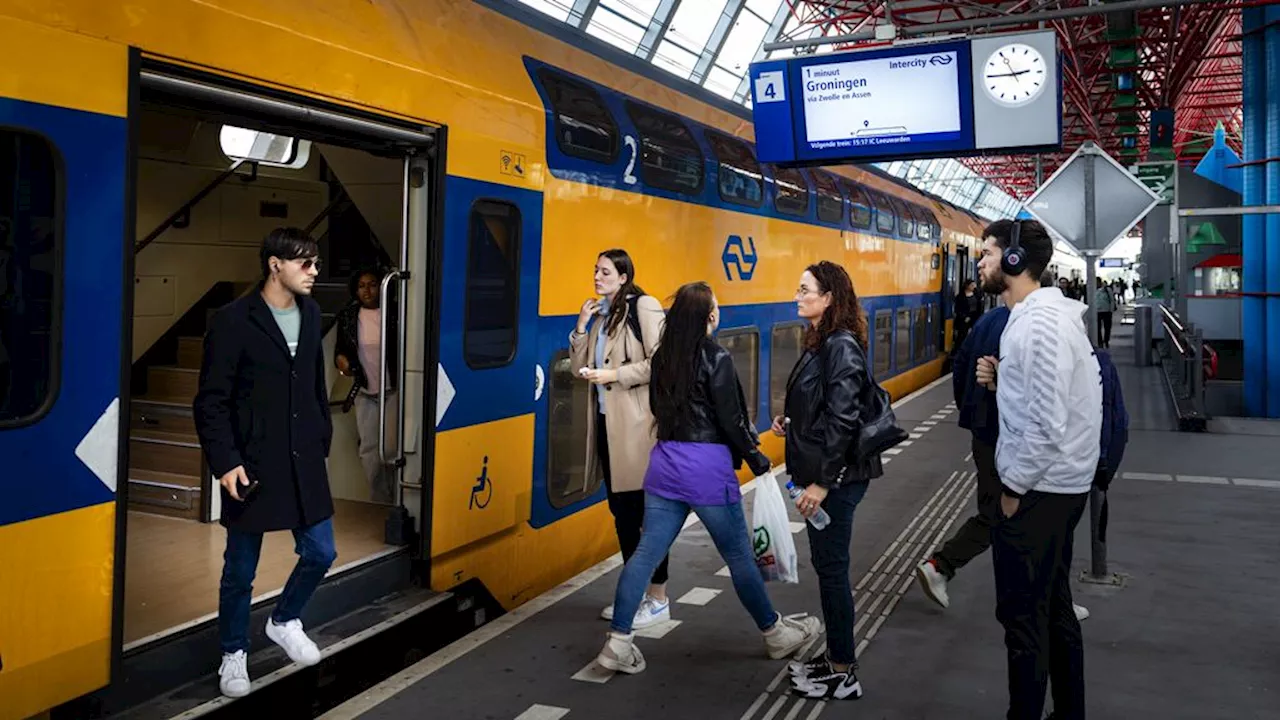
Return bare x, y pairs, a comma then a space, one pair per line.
675, 59
694, 21
615, 29
742, 43
558, 9
721, 82
638, 11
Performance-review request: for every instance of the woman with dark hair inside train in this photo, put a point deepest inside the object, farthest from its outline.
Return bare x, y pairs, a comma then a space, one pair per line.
612, 353
824, 407
704, 435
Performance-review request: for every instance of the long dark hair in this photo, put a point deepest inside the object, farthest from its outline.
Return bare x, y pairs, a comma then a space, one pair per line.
623, 265
674, 367
844, 312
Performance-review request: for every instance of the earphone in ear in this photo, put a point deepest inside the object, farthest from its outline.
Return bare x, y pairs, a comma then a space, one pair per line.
1014, 260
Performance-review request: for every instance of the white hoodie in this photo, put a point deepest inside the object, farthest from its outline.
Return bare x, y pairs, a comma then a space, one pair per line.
1049, 392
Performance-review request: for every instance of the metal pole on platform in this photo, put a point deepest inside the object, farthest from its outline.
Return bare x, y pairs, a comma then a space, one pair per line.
1090, 241
1097, 534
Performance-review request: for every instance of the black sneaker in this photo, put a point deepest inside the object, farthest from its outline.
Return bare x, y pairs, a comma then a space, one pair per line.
809, 668
831, 686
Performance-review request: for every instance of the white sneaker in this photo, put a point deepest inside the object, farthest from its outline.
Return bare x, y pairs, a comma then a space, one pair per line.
607, 614
790, 634
651, 612
933, 582
620, 654
234, 674
295, 642
1082, 612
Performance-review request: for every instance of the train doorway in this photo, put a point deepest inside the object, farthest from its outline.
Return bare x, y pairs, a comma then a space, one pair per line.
217, 164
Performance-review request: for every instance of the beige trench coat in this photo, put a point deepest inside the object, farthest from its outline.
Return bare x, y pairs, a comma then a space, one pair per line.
626, 402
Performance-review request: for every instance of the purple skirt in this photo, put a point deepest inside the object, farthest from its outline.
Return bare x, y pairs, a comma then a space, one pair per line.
694, 473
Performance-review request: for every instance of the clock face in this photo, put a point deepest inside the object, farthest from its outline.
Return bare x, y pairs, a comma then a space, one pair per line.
1014, 74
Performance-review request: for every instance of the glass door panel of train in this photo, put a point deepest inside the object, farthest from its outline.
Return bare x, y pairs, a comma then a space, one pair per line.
489, 370
63, 161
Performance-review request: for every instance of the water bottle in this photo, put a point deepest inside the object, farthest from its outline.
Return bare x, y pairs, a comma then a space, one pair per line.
820, 518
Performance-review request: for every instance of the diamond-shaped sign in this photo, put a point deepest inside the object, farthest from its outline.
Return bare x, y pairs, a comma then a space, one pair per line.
1120, 200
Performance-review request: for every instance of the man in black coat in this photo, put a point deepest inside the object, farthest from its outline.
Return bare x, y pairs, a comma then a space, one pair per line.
262, 413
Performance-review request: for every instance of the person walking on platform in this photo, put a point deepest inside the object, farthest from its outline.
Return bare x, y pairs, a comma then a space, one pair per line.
704, 434
1048, 387
262, 415
980, 416
823, 416
613, 354
1104, 301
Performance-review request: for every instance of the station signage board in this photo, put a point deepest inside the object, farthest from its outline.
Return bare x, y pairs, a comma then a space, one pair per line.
997, 93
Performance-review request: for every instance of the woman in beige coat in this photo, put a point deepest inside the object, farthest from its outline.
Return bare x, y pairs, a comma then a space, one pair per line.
620, 433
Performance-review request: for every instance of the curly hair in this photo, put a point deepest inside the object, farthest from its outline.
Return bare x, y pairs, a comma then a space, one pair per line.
844, 312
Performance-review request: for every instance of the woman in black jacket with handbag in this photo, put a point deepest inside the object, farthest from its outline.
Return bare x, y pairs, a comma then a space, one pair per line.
827, 393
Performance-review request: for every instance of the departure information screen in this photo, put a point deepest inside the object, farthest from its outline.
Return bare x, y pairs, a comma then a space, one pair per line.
902, 100
897, 102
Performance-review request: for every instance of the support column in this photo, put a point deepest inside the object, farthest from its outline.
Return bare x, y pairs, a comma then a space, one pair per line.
1271, 252
1253, 307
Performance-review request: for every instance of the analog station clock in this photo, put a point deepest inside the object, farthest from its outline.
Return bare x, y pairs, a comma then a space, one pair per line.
1014, 74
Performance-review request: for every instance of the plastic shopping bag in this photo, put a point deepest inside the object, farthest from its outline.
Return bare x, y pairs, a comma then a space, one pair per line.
771, 539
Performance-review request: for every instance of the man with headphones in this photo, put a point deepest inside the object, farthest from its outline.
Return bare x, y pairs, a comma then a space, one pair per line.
1048, 389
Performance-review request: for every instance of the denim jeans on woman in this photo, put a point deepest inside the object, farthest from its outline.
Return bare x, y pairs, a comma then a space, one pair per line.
829, 550
663, 520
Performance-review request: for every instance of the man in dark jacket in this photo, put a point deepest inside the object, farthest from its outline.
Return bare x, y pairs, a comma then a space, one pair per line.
979, 416
262, 414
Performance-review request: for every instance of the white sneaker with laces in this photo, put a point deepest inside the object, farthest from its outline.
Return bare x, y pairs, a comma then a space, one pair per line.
295, 642
651, 612
790, 634
620, 654
233, 675
933, 582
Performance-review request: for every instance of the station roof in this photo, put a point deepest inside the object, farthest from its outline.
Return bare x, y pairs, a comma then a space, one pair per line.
1121, 60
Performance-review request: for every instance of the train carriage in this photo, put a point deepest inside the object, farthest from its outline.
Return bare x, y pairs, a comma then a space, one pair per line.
146, 147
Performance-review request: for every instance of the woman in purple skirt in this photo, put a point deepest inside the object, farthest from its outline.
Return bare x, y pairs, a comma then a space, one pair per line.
704, 436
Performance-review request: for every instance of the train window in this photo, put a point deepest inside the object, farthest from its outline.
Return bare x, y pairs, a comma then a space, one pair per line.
792, 192
921, 342
743, 345
884, 212
906, 221
933, 326
859, 206
567, 480
902, 340
741, 181
882, 342
493, 285
584, 127
830, 203
925, 222
669, 157
786, 347
30, 276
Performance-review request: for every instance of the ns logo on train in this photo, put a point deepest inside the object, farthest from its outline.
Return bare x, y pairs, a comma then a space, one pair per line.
739, 255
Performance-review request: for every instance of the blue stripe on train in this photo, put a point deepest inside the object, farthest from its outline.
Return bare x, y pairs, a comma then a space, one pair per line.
40, 473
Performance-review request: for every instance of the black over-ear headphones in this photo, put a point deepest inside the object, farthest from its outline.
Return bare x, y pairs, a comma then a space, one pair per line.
1014, 260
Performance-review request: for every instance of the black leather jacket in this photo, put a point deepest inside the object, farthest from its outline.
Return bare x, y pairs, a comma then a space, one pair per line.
718, 412
825, 398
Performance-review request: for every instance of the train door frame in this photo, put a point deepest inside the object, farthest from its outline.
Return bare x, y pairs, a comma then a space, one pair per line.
215, 96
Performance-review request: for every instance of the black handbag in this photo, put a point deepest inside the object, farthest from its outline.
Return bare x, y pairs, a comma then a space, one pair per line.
880, 430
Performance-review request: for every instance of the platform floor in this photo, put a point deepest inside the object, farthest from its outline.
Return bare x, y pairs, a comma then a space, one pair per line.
1191, 633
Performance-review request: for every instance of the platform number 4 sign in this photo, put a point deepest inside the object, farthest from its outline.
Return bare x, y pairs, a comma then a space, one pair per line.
770, 88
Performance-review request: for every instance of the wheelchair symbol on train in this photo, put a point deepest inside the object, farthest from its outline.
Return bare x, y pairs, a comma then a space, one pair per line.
482, 493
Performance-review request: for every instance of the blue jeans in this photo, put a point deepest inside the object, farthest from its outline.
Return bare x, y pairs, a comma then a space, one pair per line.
663, 520
316, 554
829, 550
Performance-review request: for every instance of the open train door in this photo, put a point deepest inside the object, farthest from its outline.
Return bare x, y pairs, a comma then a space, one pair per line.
64, 328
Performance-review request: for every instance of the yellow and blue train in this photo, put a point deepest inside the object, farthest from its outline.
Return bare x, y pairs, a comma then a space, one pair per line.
548, 149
